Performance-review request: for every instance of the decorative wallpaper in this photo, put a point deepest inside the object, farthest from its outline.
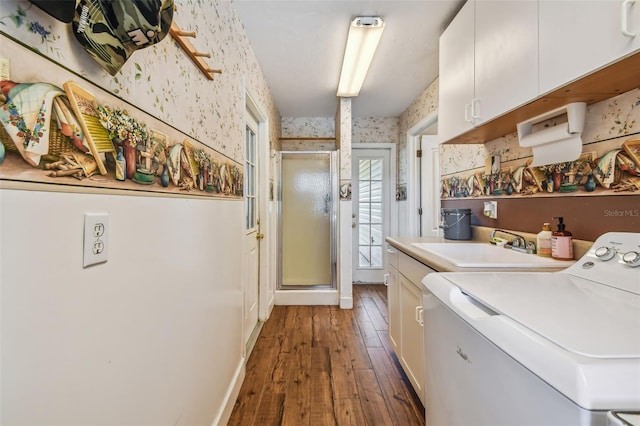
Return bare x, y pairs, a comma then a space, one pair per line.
211, 112
423, 105
375, 130
309, 127
344, 143
302, 145
58, 129
610, 162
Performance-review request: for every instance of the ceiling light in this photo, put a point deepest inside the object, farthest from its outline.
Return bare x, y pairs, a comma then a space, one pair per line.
364, 35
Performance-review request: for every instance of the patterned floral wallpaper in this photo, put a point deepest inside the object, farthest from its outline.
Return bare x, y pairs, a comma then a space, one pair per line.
364, 130
209, 111
375, 130
345, 120
605, 121
608, 125
308, 127
423, 105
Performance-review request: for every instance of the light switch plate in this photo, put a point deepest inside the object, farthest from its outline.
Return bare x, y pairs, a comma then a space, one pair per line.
96, 238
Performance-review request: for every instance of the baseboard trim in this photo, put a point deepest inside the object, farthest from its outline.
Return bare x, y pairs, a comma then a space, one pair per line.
346, 302
307, 297
232, 395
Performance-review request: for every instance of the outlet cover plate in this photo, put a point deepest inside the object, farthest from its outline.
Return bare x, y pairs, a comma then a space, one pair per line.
96, 238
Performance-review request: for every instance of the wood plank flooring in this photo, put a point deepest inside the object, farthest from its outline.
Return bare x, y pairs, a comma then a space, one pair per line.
320, 365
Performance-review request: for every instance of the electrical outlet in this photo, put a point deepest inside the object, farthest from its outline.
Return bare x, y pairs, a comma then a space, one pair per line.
491, 209
96, 238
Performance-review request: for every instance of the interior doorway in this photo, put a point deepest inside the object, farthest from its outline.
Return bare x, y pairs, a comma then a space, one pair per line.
423, 180
370, 218
258, 286
252, 230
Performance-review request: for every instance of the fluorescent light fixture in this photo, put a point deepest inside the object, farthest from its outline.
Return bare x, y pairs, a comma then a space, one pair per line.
364, 35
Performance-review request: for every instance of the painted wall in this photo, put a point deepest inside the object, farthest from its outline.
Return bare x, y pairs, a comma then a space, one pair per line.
154, 335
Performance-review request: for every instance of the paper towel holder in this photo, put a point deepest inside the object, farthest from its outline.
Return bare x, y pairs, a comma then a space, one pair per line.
565, 137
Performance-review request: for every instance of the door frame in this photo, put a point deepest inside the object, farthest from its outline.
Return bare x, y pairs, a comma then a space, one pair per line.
266, 283
391, 193
305, 291
430, 186
413, 196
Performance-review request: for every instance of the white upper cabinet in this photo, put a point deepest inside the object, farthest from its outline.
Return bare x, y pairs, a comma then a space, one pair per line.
488, 63
506, 56
580, 36
456, 82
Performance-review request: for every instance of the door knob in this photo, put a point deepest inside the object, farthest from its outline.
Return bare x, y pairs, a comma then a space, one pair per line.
259, 236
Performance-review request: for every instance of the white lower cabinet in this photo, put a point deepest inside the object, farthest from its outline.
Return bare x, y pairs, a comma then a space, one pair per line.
411, 351
405, 317
393, 299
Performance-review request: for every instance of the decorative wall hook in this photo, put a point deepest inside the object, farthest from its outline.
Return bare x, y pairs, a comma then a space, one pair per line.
181, 37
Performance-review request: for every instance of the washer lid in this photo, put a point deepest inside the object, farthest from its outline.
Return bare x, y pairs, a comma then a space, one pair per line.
578, 315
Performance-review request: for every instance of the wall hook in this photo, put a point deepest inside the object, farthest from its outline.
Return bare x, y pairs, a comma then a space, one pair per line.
181, 37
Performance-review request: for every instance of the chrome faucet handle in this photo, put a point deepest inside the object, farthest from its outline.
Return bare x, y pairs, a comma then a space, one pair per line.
531, 247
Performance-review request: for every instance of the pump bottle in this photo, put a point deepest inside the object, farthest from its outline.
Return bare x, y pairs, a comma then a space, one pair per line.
544, 240
561, 242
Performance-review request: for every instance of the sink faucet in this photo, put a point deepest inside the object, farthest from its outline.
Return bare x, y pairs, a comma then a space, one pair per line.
518, 243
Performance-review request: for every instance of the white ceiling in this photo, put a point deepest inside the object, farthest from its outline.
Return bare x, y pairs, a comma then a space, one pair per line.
299, 45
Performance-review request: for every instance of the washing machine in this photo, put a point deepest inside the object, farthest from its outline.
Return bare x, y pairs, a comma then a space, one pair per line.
536, 348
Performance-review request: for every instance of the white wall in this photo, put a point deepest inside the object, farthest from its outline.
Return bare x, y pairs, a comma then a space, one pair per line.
150, 337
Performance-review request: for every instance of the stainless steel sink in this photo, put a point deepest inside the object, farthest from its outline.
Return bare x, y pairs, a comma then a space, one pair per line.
479, 255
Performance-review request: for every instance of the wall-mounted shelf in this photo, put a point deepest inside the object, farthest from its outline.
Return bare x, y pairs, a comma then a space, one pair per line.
304, 138
181, 37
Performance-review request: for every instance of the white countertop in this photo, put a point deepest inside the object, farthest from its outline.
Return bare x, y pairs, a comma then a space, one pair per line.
440, 264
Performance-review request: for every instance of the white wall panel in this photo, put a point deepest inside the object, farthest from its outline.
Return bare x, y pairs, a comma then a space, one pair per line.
153, 336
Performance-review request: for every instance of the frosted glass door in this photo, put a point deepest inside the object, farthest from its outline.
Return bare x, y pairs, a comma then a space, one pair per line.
306, 219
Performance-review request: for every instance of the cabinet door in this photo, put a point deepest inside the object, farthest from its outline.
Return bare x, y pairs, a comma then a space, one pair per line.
393, 302
456, 75
412, 351
578, 37
506, 56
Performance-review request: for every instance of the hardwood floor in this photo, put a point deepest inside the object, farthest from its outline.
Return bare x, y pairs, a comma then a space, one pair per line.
320, 365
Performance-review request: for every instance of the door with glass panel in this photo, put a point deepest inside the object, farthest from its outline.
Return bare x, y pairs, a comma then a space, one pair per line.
252, 227
307, 220
370, 195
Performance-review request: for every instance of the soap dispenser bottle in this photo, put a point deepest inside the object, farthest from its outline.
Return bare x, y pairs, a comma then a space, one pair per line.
544, 240
561, 242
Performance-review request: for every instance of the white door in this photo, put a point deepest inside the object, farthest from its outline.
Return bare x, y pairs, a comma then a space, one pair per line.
252, 228
429, 186
370, 196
